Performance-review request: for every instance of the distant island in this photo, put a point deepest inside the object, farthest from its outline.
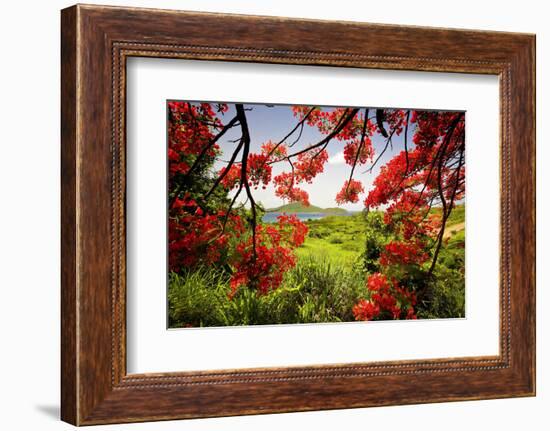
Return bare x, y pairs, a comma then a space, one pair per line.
297, 207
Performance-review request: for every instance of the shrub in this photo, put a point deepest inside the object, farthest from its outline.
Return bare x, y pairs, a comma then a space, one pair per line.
336, 239
445, 297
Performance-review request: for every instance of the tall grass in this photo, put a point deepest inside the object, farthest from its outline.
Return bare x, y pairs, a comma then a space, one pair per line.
314, 291
196, 298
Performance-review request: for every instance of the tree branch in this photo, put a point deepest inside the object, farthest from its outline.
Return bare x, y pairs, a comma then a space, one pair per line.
388, 141
226, 170
344, 120
199, 158
363, 132
405, 143
211, 144
244, 180
226, 218
446, 210
380, 122
299, 124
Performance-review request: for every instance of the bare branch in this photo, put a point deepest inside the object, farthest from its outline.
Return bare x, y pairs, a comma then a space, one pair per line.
291, 185
299, 136
380, 122
226, 170
388, 141
299, 124
405, 143
225, 219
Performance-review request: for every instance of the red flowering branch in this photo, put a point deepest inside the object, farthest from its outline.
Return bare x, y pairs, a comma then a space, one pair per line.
387, 300
361, 143
244, 164
447, 209
212, 142
300, 125
201, 156
409, 185
345, 119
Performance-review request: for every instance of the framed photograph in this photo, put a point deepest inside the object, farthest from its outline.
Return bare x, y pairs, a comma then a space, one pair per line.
266, 220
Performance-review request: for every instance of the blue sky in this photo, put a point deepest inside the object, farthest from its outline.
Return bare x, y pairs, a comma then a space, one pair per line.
273, 122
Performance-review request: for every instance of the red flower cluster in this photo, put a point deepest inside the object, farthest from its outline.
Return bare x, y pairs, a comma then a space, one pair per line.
263, 268
274, 151
190, 127
403, 253
326, 120
195, 237
431, 127
190, 132
231, 176
350, 152
258, 172
396, 120
310, 164
285, 188
263, 272
400, 175
365, 310
350, 192
387, 299
293, 228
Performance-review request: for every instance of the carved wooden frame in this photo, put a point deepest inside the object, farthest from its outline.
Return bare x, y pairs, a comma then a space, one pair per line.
96, 41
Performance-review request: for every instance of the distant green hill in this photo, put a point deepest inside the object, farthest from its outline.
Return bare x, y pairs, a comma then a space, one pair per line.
297, 207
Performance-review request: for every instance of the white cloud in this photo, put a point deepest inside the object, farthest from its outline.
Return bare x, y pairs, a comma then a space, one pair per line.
337, 159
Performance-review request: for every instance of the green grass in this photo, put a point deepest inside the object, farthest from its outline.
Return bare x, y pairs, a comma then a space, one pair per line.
315, 291
339, 240
447, 293
197, 298
458, 215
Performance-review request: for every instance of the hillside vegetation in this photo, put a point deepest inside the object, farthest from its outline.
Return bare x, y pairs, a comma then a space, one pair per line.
333, 264
297, 207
